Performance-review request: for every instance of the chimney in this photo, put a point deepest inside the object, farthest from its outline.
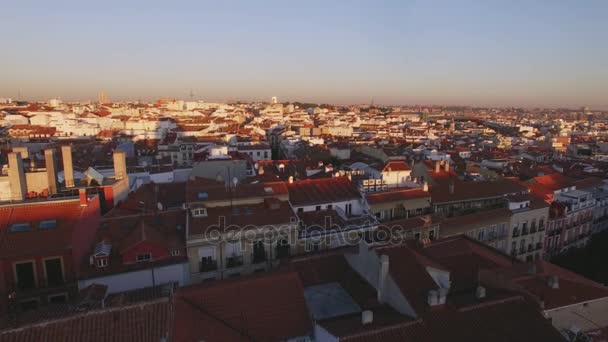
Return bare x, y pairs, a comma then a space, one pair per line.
451, 188
425, 187
16, 176
382, 277
68, 168
290, 179
260, 170
443, 295
553, 282
437, 166
480, 292
367, 317
50, 161
120, 164
432, 298
447, 166
82, 193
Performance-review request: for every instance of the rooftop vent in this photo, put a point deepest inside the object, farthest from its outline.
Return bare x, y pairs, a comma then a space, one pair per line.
367, 317
553, 282
480, 292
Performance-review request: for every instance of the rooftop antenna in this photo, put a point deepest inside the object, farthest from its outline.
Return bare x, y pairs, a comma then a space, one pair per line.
191, 95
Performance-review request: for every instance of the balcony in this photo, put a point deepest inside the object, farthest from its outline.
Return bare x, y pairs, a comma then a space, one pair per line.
515, 233
530, 248
207, 266
524, 232
541, 227
539, 246
234, 261
533, 229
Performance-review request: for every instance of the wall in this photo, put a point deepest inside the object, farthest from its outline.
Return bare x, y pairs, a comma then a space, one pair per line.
140, 279
84, 232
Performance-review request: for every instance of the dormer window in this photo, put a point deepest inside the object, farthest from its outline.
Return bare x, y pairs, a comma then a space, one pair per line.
199, 212
102, 262
144, 257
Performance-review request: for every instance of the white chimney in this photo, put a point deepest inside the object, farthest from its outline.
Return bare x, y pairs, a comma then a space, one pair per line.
553, 282
433, 298
16, 176
480, 292
425, 187
447, 166
382, 277
452, 188
68, 168
290, 179
443, 295
51, 169
367, 317
437, 166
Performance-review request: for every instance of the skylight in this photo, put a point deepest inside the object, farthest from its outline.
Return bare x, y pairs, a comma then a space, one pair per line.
20, 227
48, 224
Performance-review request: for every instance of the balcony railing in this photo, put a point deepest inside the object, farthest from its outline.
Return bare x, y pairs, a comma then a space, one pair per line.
207, 266
234, 261
524, 231
515, 233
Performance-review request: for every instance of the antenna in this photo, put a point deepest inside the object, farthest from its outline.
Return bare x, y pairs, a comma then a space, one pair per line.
191, 95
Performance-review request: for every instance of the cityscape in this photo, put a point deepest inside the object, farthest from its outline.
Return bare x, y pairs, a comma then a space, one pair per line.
238, 209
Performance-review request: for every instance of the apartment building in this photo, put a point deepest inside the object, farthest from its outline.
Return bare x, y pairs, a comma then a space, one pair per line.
232, 231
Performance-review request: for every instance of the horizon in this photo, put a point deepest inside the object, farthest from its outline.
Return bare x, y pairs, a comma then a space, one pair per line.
473, 53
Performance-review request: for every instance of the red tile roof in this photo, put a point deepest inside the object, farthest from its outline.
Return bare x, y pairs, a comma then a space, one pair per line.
396, 195
145, 322
396, 166
268, 307
326, 190
67, 213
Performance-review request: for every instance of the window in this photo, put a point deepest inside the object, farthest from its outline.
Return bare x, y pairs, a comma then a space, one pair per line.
300, 210
199, 212
54, 272
318, 208
349, 209
313, 245
144, 257
432, 234
26, 278
175, 252
102, 262
202, 196
329, 206
20, 227
417, 236
48, 224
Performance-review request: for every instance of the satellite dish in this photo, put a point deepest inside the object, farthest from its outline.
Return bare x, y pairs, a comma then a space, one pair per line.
159, 206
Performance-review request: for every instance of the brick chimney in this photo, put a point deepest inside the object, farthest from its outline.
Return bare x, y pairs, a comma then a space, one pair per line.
68, 168
82, 193
50, 161
16, 176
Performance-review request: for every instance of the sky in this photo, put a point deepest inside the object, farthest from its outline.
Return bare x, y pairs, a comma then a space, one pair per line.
526, 53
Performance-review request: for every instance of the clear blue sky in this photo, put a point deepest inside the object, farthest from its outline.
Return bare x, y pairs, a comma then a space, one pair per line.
552, 53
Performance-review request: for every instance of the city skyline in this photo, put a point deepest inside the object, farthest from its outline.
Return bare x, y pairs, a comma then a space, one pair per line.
546, 54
